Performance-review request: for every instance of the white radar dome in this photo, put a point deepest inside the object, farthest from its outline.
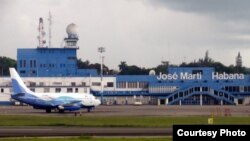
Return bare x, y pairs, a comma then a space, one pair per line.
72, 29
152, 72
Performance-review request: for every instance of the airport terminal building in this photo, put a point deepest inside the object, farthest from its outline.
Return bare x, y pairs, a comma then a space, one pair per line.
181, 86
46, 69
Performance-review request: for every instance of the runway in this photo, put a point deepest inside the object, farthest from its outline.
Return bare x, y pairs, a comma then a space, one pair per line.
118, 110
129, 110
81, 131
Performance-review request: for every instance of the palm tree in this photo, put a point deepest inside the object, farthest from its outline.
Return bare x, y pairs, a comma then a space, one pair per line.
123, 65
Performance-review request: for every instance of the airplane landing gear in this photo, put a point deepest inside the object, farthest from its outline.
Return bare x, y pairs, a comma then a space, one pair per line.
48, 110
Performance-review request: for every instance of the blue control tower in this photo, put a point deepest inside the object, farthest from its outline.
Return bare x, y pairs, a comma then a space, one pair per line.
52, 62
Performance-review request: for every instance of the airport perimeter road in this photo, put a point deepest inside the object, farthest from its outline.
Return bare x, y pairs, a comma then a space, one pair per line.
129, 110
81, 131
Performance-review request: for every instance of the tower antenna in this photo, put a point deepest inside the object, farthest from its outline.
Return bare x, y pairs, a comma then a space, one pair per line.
41, 35
50, 23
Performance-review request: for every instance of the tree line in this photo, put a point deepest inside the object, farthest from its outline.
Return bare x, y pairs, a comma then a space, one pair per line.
125, 69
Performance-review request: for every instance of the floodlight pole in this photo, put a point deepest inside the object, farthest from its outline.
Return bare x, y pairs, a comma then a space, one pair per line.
101, 50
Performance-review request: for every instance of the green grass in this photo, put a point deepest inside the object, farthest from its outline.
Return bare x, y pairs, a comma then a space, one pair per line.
115, 121
89, 139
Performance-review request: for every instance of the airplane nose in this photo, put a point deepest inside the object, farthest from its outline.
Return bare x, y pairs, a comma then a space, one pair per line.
98, 102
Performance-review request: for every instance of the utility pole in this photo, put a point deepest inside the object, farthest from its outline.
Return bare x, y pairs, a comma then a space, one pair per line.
101, 50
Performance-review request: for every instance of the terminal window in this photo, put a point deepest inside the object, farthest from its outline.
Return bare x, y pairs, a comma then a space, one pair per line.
69, 90
32, 84
197, 89
96, 84
234, 89
110, 84
143, 84
121, 85
73, 83
246, 88
23, 71
21, 63
204, 89
83, 84
58, 90
181, 94
132, 84
72, 58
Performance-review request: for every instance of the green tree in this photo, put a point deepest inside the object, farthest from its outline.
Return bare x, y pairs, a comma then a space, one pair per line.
5, 64
131, 70
87, 65
82, 64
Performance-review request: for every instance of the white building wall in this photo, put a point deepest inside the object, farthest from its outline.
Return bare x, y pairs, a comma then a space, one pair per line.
82, 83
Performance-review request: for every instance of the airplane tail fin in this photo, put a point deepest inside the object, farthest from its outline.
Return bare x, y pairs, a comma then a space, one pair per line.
17, 83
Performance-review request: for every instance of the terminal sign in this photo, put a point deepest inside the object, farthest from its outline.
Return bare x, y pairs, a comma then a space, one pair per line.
198, 76
227, 76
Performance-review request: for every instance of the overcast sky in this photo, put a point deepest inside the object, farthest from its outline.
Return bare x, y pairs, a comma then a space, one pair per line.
140, 32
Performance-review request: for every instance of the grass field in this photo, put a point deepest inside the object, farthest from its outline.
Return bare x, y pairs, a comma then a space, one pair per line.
115, 121
88, 139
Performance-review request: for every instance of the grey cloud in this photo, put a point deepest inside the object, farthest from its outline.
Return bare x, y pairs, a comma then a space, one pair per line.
233, 15
221, 9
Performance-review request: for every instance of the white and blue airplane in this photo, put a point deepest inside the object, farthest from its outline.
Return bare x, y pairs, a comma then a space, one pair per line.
49, 101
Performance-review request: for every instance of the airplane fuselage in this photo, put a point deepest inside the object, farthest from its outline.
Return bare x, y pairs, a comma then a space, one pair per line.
49, 101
